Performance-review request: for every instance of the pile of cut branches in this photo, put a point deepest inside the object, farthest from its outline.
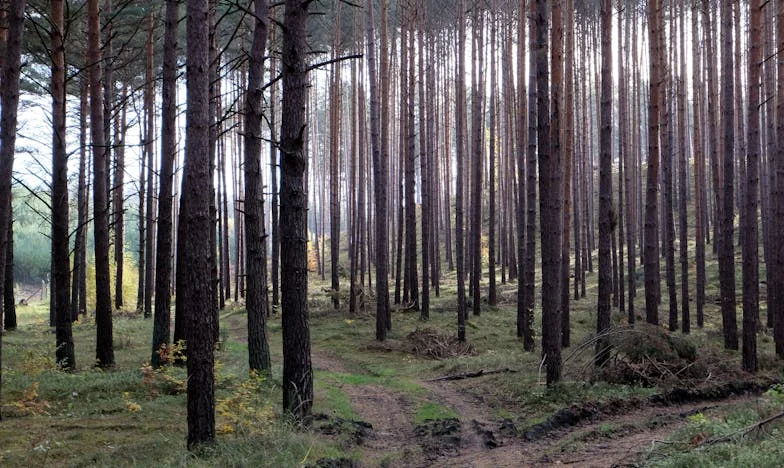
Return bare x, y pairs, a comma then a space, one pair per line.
429, 343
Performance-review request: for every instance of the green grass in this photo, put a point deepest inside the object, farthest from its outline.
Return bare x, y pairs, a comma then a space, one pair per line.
430, 411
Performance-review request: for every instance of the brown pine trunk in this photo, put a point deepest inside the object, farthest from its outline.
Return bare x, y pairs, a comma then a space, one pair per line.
104, 350
750, 230
256, 247
297, 370
776, 281
335, 111
460, 161
550, 183
651, 247
568, 157
149, 149
426, 215
700, 194
477, 133
162, 319
683, 196
727, 246
603, 318
79, 279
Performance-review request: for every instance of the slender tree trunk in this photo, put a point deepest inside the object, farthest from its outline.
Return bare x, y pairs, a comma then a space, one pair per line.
79, 280
104, 350
335, 111
727, 246
256, 247
149, 139
750, 237
530, 199
460, 97
683, 177
477, 134
523, 314
491, 241
699, 170
603, 318
424, 172
568, 157
161, 326
651, 247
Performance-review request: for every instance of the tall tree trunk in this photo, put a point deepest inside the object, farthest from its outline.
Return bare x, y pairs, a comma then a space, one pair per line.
727, 246
477, 137
524, 315
424, 171
410, 268
568, 157
104, 349
683, 177
530, 198
379, 180
256, 247
149, 139
64, 352
750, 230
79, 280
491, 240
550, 183
297, 370
776, 284
9, 99
194, 274
335, 112
460, 97
603, 318
700, 207
161, 326
651, 247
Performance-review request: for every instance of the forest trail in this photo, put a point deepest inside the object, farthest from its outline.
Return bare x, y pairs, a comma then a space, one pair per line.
482, 439
386, 433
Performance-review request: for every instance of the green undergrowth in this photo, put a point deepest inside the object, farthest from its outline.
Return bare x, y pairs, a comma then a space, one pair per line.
735, 438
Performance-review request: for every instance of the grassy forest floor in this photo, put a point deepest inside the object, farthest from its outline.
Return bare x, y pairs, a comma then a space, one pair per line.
673, 402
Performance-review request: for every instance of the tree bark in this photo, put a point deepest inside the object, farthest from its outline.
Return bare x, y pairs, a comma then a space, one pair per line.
297, 370
550, 185
750, 230
104, 349
727, 246
651, 247
194, 290
255, 239
161, 326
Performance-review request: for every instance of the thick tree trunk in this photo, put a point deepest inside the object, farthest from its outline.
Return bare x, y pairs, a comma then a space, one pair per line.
297, 370
9, 97
776, 281
194, 273
550, 183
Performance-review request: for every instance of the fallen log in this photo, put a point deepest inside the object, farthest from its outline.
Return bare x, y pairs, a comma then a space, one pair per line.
470, 375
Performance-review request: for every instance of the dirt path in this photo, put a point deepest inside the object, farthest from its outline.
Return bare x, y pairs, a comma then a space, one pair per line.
480, 438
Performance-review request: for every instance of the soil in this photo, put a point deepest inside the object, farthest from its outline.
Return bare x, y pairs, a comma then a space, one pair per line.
614, 433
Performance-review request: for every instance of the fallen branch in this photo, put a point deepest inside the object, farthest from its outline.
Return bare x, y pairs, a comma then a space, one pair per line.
470, 375
746, 430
